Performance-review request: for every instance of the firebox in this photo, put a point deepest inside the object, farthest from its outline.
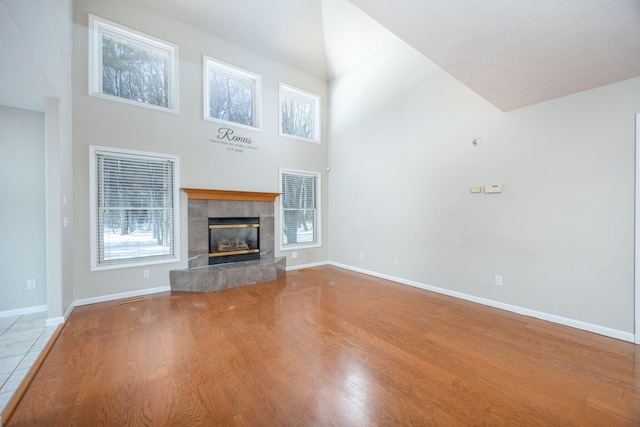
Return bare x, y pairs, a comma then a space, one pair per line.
233, 240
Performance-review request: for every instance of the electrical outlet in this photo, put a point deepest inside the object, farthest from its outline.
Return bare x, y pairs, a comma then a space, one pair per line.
498, 280
32, 284
145, 274
294, 255
361, 254
397, 261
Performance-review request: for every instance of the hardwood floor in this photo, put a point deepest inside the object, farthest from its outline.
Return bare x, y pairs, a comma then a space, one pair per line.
326, 346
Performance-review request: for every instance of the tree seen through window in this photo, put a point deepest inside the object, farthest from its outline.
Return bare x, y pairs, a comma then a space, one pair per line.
129, 66
134, 72
299, 113
135, 208
232, 94
299, 208
230, 98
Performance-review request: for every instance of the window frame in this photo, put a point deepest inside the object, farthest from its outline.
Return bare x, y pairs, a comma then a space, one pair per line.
98, 26
285, 89
93, 209
211, 64
318, 216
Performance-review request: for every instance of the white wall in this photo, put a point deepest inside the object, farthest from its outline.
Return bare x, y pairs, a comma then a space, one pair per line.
44, 28
560, 234
203, 164
22, 183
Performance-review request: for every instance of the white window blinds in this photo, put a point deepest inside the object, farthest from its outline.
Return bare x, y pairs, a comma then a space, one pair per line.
135, 208
300, 208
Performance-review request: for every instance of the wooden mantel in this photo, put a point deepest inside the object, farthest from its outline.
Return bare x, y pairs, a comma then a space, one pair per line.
203, 194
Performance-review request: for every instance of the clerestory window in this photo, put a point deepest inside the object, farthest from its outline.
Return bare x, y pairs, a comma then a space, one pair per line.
129, 66
232, 95
299, 114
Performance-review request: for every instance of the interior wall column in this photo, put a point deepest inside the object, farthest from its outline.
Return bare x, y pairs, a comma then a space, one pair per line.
54, 220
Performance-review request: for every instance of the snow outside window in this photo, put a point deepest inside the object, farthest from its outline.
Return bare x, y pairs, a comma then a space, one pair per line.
300, 210
134, 208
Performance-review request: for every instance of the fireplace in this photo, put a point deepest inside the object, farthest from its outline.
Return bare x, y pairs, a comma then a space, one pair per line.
234, 240
201, 276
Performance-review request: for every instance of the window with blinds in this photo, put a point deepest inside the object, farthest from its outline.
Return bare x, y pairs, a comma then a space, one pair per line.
129, 66
134, 209
299, 114
300, 211
232, 95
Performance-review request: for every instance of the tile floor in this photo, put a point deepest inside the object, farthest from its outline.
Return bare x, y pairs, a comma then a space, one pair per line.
21, 340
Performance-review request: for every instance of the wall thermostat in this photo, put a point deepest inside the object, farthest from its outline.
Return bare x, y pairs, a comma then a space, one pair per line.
493, 188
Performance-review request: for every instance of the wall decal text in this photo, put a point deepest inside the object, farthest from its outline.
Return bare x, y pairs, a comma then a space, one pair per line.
233, 143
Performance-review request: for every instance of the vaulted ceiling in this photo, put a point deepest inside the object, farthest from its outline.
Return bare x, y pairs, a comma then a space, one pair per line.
513, 53
516, 53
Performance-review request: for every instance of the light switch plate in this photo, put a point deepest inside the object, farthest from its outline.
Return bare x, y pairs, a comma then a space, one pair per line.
476, 190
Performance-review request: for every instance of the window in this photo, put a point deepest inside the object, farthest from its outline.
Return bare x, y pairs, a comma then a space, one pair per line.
134, 208
232, 95
300, 213
129, 66
299, 114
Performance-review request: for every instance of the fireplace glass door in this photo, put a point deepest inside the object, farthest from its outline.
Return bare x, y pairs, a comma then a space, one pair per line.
233, 240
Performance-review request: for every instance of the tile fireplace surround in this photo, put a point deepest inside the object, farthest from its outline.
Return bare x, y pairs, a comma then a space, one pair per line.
202, 277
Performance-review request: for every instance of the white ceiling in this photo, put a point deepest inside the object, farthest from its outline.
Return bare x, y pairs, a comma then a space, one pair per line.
520, 52
514, 53
320, 37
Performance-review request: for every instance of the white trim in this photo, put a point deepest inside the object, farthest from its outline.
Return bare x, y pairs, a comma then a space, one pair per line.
22, 311
637, 236
105, 298
299, 246
59, 320
112, 297
55, 321
317, 101
318, 242
134, 262
212, 64
99, 25
311, 265
613, 333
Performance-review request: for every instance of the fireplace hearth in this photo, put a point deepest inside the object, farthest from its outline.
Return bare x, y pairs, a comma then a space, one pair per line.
255, 213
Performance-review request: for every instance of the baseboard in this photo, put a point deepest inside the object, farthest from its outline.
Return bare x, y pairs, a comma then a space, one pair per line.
314, 264
60, 320
21, 311
54, 321
602, 330
112, 297
86, 301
